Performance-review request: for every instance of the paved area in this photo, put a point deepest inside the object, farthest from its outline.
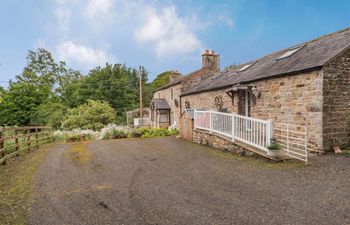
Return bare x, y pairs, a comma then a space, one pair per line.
170, 181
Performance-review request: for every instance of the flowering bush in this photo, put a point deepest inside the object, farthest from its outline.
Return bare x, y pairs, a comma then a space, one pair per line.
91, 115
113, 131
74, 135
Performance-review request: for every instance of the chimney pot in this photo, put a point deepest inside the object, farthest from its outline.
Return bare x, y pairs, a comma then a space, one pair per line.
211, 60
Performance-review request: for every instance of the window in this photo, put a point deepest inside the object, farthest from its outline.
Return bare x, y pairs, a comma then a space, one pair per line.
172, 94
245, 67
290, 52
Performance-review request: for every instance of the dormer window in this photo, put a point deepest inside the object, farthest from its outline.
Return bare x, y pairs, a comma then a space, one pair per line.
290, 52
245, 67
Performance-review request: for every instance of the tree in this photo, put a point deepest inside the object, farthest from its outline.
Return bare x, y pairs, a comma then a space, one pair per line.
91, 115
36, 91
45, 90
161, 79
2, 93
117, 84
42, 69
50, 114
20, 103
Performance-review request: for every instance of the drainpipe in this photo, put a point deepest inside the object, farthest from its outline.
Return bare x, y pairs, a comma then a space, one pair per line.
180, 106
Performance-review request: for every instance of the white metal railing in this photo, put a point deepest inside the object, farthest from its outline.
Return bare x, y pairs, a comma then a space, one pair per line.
202, 120
141, 122
293, 139
255, 132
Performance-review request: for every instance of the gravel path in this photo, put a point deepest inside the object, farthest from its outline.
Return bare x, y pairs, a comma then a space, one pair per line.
170, 181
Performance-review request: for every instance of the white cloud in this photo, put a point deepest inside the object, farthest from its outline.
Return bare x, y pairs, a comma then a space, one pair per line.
152, 23
82, 55
226, 20
169, 33
63, 16
99, 12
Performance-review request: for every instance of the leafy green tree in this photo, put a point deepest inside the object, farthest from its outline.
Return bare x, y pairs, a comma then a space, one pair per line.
46, 89
20, 103
161, 80
2, 93
91, 115
42, 69
117, 84
50, 114
40, 85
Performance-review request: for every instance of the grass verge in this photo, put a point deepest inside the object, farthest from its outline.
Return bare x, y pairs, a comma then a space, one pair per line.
346, 153
16, 183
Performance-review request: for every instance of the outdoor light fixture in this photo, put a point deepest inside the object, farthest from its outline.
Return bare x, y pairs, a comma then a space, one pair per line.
256, 92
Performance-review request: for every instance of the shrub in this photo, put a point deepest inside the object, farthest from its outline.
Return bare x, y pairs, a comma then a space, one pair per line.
59, 136
274, 146
158, 132
74, 135
113, 131
92, 115
117, 134
136, 133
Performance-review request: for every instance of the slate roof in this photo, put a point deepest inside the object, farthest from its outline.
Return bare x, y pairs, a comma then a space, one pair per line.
161, 103
313, 55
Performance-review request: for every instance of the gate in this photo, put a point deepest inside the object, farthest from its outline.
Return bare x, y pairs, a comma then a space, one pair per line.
293, 139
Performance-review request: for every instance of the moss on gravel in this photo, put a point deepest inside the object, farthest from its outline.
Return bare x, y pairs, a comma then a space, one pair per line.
16, 182
79, 153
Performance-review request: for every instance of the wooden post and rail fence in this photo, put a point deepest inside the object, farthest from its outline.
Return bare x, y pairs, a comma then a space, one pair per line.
15, 140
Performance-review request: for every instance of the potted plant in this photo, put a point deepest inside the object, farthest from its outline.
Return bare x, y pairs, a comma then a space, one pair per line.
273, 148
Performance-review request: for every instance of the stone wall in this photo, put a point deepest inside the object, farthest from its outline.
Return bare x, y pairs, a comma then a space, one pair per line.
205, 138
293, 99
186, 124
205, 101
336, 103
166, 93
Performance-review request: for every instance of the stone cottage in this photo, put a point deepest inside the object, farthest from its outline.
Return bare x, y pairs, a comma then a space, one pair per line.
166, 104
307, 84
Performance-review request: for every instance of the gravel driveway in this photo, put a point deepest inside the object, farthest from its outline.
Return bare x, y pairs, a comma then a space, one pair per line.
170, 181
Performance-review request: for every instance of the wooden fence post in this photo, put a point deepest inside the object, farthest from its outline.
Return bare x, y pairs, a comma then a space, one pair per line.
37, 138
2, 145
28, 139
16, 142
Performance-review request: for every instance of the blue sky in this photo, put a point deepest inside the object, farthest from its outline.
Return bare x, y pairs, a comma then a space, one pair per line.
161, 35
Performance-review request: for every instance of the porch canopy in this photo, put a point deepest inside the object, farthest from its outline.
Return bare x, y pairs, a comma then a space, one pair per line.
160, 103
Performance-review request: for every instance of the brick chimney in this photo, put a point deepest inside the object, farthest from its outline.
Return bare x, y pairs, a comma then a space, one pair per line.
211, 60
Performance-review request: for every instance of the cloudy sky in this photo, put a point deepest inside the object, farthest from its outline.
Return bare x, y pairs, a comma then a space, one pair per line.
161, 35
